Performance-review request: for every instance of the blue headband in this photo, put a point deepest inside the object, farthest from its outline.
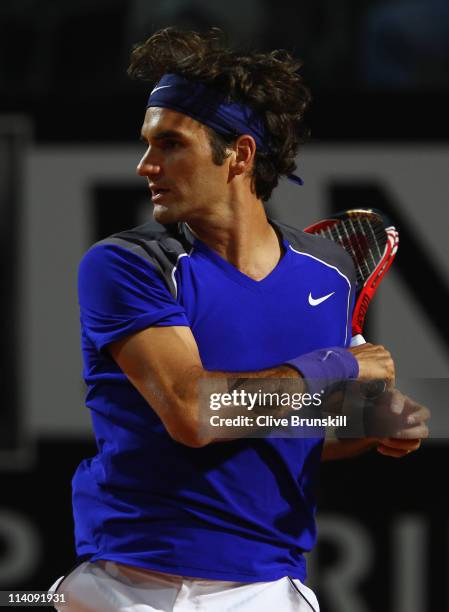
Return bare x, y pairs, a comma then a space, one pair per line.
210, 107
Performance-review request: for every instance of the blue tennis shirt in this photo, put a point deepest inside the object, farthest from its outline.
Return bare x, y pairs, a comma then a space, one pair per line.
242, 510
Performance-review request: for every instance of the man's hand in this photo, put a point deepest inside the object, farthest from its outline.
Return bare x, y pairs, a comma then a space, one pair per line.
400, 423
375, 363
393, 411
410, 420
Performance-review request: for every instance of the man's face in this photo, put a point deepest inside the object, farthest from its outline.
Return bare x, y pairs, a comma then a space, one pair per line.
184, 181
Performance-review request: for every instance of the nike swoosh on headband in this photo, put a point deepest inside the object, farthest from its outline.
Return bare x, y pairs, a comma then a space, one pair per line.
160, 87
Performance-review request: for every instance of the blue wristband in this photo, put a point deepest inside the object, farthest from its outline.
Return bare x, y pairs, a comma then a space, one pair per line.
323, 368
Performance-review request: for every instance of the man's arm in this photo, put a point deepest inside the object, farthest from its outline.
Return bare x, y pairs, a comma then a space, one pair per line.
164, 365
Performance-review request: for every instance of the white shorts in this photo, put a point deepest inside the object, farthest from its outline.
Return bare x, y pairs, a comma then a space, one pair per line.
106, 586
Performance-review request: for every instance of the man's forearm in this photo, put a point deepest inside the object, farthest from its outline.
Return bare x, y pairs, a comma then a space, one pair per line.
196, 384
281, 371
312, 373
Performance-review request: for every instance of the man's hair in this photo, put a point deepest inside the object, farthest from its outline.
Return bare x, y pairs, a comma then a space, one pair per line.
269, 83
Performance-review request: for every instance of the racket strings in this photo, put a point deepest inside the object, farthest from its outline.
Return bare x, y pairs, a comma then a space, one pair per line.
376, 238
357, 254
367, 238
362, 268
364, 238
356, 250
333, 233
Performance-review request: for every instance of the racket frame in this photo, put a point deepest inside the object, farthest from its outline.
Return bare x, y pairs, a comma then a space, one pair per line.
364, 294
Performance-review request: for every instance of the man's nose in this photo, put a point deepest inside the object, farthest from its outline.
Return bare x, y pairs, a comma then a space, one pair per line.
149, 165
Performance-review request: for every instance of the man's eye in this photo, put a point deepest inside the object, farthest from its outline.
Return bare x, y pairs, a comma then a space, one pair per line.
170, 144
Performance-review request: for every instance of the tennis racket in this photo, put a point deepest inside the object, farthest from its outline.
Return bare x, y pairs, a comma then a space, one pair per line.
372, 242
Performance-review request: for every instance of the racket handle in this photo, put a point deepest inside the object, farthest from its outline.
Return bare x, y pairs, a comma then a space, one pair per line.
357, 340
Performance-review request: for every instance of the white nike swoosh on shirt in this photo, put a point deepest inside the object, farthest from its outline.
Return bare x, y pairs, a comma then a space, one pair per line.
315, 302
160, 87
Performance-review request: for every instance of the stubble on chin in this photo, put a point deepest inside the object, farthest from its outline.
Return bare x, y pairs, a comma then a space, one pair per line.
165, 216
160, 214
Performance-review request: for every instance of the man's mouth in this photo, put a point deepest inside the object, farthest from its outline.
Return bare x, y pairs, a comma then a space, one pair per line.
158, 193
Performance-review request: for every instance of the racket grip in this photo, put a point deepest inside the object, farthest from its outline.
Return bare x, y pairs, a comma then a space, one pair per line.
357, 340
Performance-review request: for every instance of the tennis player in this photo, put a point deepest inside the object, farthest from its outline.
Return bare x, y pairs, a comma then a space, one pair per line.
166, 518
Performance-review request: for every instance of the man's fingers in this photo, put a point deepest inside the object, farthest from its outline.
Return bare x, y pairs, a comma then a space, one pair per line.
416, 413
392, 452
400, 443
412, 433
402, 404
411, 425
397, 401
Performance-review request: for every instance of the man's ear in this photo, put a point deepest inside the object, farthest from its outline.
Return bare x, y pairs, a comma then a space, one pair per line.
244, 151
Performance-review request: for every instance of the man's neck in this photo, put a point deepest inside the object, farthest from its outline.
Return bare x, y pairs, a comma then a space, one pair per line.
243, 236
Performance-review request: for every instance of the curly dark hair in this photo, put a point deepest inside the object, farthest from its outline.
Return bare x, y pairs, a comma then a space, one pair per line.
269, 83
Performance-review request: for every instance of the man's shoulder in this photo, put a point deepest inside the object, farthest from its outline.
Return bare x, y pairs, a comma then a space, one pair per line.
151, 240
160, 246
319, 248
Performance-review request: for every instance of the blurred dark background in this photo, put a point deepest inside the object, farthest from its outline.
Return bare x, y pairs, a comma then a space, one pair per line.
371, 64
69, 121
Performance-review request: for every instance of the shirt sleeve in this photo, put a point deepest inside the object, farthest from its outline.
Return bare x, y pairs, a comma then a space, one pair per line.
121, 293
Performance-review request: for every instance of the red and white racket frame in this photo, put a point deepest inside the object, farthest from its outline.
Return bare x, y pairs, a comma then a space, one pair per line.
371, 285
